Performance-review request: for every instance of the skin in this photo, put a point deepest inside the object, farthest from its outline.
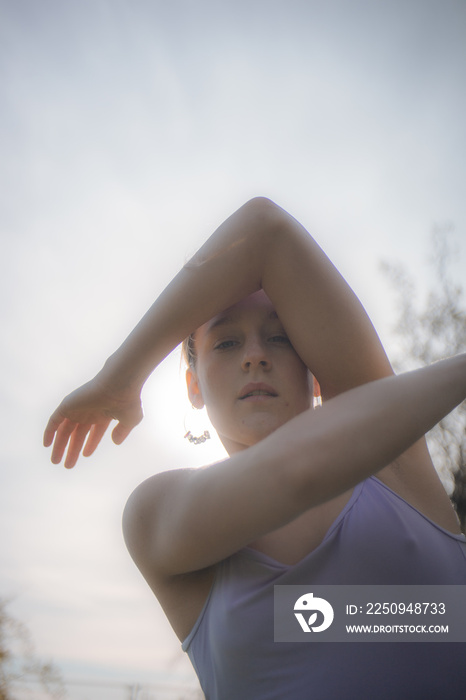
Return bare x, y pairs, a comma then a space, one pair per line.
246, 346
255, 248
243, 346
240, 347
291, 468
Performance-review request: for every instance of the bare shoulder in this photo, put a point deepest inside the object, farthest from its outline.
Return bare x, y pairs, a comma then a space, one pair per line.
181, 596
144, 508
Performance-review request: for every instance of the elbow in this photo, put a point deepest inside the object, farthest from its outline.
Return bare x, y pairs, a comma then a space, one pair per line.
263, 208
266, 220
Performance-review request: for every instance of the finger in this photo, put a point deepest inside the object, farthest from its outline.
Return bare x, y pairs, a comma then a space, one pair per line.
120, 433
76, 442
55, 420
62, 437
95, 436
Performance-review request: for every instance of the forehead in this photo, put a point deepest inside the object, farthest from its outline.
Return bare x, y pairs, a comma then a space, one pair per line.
256, 307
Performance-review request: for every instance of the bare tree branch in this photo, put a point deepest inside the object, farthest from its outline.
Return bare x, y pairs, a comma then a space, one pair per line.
429, 332
18, 662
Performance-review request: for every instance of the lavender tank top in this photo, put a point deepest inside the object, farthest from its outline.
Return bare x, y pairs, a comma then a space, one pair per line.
377, 539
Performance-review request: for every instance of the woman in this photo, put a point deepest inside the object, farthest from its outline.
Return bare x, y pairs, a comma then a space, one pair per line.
263, 308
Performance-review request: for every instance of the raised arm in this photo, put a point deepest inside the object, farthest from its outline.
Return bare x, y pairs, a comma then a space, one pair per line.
309, 460
260, 245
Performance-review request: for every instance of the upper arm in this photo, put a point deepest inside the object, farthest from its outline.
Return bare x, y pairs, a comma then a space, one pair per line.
188, 519
323, 317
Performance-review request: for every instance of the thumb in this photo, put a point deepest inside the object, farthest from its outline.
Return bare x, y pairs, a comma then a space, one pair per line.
128, 421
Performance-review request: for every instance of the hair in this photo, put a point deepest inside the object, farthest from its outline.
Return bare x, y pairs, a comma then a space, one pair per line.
188, 350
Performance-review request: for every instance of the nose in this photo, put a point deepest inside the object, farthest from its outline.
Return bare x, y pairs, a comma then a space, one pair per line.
255, 355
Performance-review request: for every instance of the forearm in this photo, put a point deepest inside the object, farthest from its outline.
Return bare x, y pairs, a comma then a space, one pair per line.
360, 432
310, 460
225, 269
262, 246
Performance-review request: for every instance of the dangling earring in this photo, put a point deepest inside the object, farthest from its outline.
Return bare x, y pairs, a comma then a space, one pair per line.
194, 439
197, 440
317, 401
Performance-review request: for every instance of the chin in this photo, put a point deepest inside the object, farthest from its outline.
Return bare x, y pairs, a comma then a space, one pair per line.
246, 436
239, 434
258, 428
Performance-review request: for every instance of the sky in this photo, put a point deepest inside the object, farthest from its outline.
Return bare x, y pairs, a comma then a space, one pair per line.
129, 130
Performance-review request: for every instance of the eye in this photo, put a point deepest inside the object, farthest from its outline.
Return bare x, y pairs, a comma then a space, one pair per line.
225, 345
280, 338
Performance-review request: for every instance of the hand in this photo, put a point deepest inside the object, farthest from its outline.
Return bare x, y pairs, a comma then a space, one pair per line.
87, 413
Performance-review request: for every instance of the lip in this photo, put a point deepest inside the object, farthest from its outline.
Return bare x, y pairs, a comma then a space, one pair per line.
247, 393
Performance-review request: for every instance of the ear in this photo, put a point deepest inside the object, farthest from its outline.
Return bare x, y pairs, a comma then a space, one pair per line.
194, 390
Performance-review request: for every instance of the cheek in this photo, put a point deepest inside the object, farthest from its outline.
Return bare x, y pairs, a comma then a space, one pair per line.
219, 410
214, 383
219, 385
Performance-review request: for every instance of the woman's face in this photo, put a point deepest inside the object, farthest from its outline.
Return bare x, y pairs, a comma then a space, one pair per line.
247, 373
